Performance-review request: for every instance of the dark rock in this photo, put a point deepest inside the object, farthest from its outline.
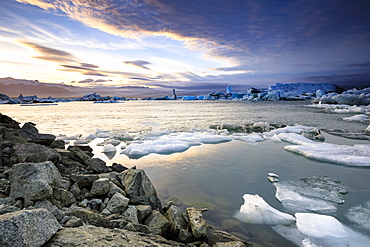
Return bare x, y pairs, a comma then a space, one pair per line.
117, 204
89, 217
8, 122
31, 133
152, 201
136, 183
219, 236
75, 190
97, 165
78, 154
32, 152
157, 223
98, 236
74, 222
131, 214
118, 167
96, 204
84, 180
58, 144
100, 187
65, 197
4, 209
143, 211
27, 228
178, 225
113, 189
59, 214
198, 225
34, 181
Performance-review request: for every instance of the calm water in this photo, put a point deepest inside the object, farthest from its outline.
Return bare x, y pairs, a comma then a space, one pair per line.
212, 175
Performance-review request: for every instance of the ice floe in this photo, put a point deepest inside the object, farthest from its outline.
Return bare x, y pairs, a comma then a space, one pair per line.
360, 216
340, 108
359, 118
356, 155
321, 230
255, 210
109, 148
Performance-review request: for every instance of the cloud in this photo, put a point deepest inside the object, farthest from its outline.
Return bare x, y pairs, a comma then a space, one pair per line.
360, 65
138, 63
50, 54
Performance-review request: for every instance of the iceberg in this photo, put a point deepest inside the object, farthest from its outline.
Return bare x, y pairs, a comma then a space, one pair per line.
321, 230
109, 148
255, 210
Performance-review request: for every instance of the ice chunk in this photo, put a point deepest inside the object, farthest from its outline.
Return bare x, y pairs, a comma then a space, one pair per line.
294, 199
321, 230
137, 150
359, 118
254, 137
360, 216
109, 148
357, 155
317, 225
256, 211
271, 174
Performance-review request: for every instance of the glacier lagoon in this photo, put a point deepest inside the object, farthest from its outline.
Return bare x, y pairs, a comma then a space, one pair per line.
216, 172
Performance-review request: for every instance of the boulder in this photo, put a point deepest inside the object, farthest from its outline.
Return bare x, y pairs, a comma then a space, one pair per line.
222, 238
113, 189
27, 228
84, 180
117, 204
32, 152
31, 133
178, 224
152, 201
131, 214
157, 223
136, 183
86, 236
100, 187
64, 197
118, 167
97, 165
34, 181
8, 122
198, 225
4, 209
143, 211
59, 214
58, 144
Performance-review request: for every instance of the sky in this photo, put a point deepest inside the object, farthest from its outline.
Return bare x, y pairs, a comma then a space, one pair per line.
194, 46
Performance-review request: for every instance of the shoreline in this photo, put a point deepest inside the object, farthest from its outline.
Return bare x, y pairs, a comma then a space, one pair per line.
63, 192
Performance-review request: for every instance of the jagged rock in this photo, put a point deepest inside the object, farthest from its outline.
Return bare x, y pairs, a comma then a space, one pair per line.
198, 225
117, 204
65, 197
113, 189
8, 122
88, 217
58, 144
136, 183
118, 167
78, 154
222, 238
86, 236
59, 214
4, 209
131, 214
34, 181
143, 211
96, 204
152, 201
100, 187
31, 133
157, 223
97, 165
65, 183
27, 228
84, 180
178, 224
74, 222
32, 152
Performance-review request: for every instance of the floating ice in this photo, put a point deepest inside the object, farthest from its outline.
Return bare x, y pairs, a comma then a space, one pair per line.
340, 108
256, 211
102, 133
360, 216
359, 118
137, 150
271, 174
357, 155
109, 148
321, 230
254, 137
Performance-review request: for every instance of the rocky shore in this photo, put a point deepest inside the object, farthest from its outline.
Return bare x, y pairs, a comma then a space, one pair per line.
52, 196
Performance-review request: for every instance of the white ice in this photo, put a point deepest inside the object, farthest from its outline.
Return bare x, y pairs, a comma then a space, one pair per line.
321, 230
254, 137
109, 148
359, 118
294, 200
356, 155
255, 210
360, 216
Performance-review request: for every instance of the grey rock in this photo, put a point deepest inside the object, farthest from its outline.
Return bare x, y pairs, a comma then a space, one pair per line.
84, 180
152, 201
75, 190
34, 181
100, 187
198, 225
118, 167
131, 214
136, 183
216, 237
4, 209
143, 211
32, 152
86, 236
58, 144
95, 204
113, 189
59, 214
65, 197
78, 154
30, 132
74, 222
65, 184
117, 204
178, 224
27, 228
97, 165
157, 223
6, 150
